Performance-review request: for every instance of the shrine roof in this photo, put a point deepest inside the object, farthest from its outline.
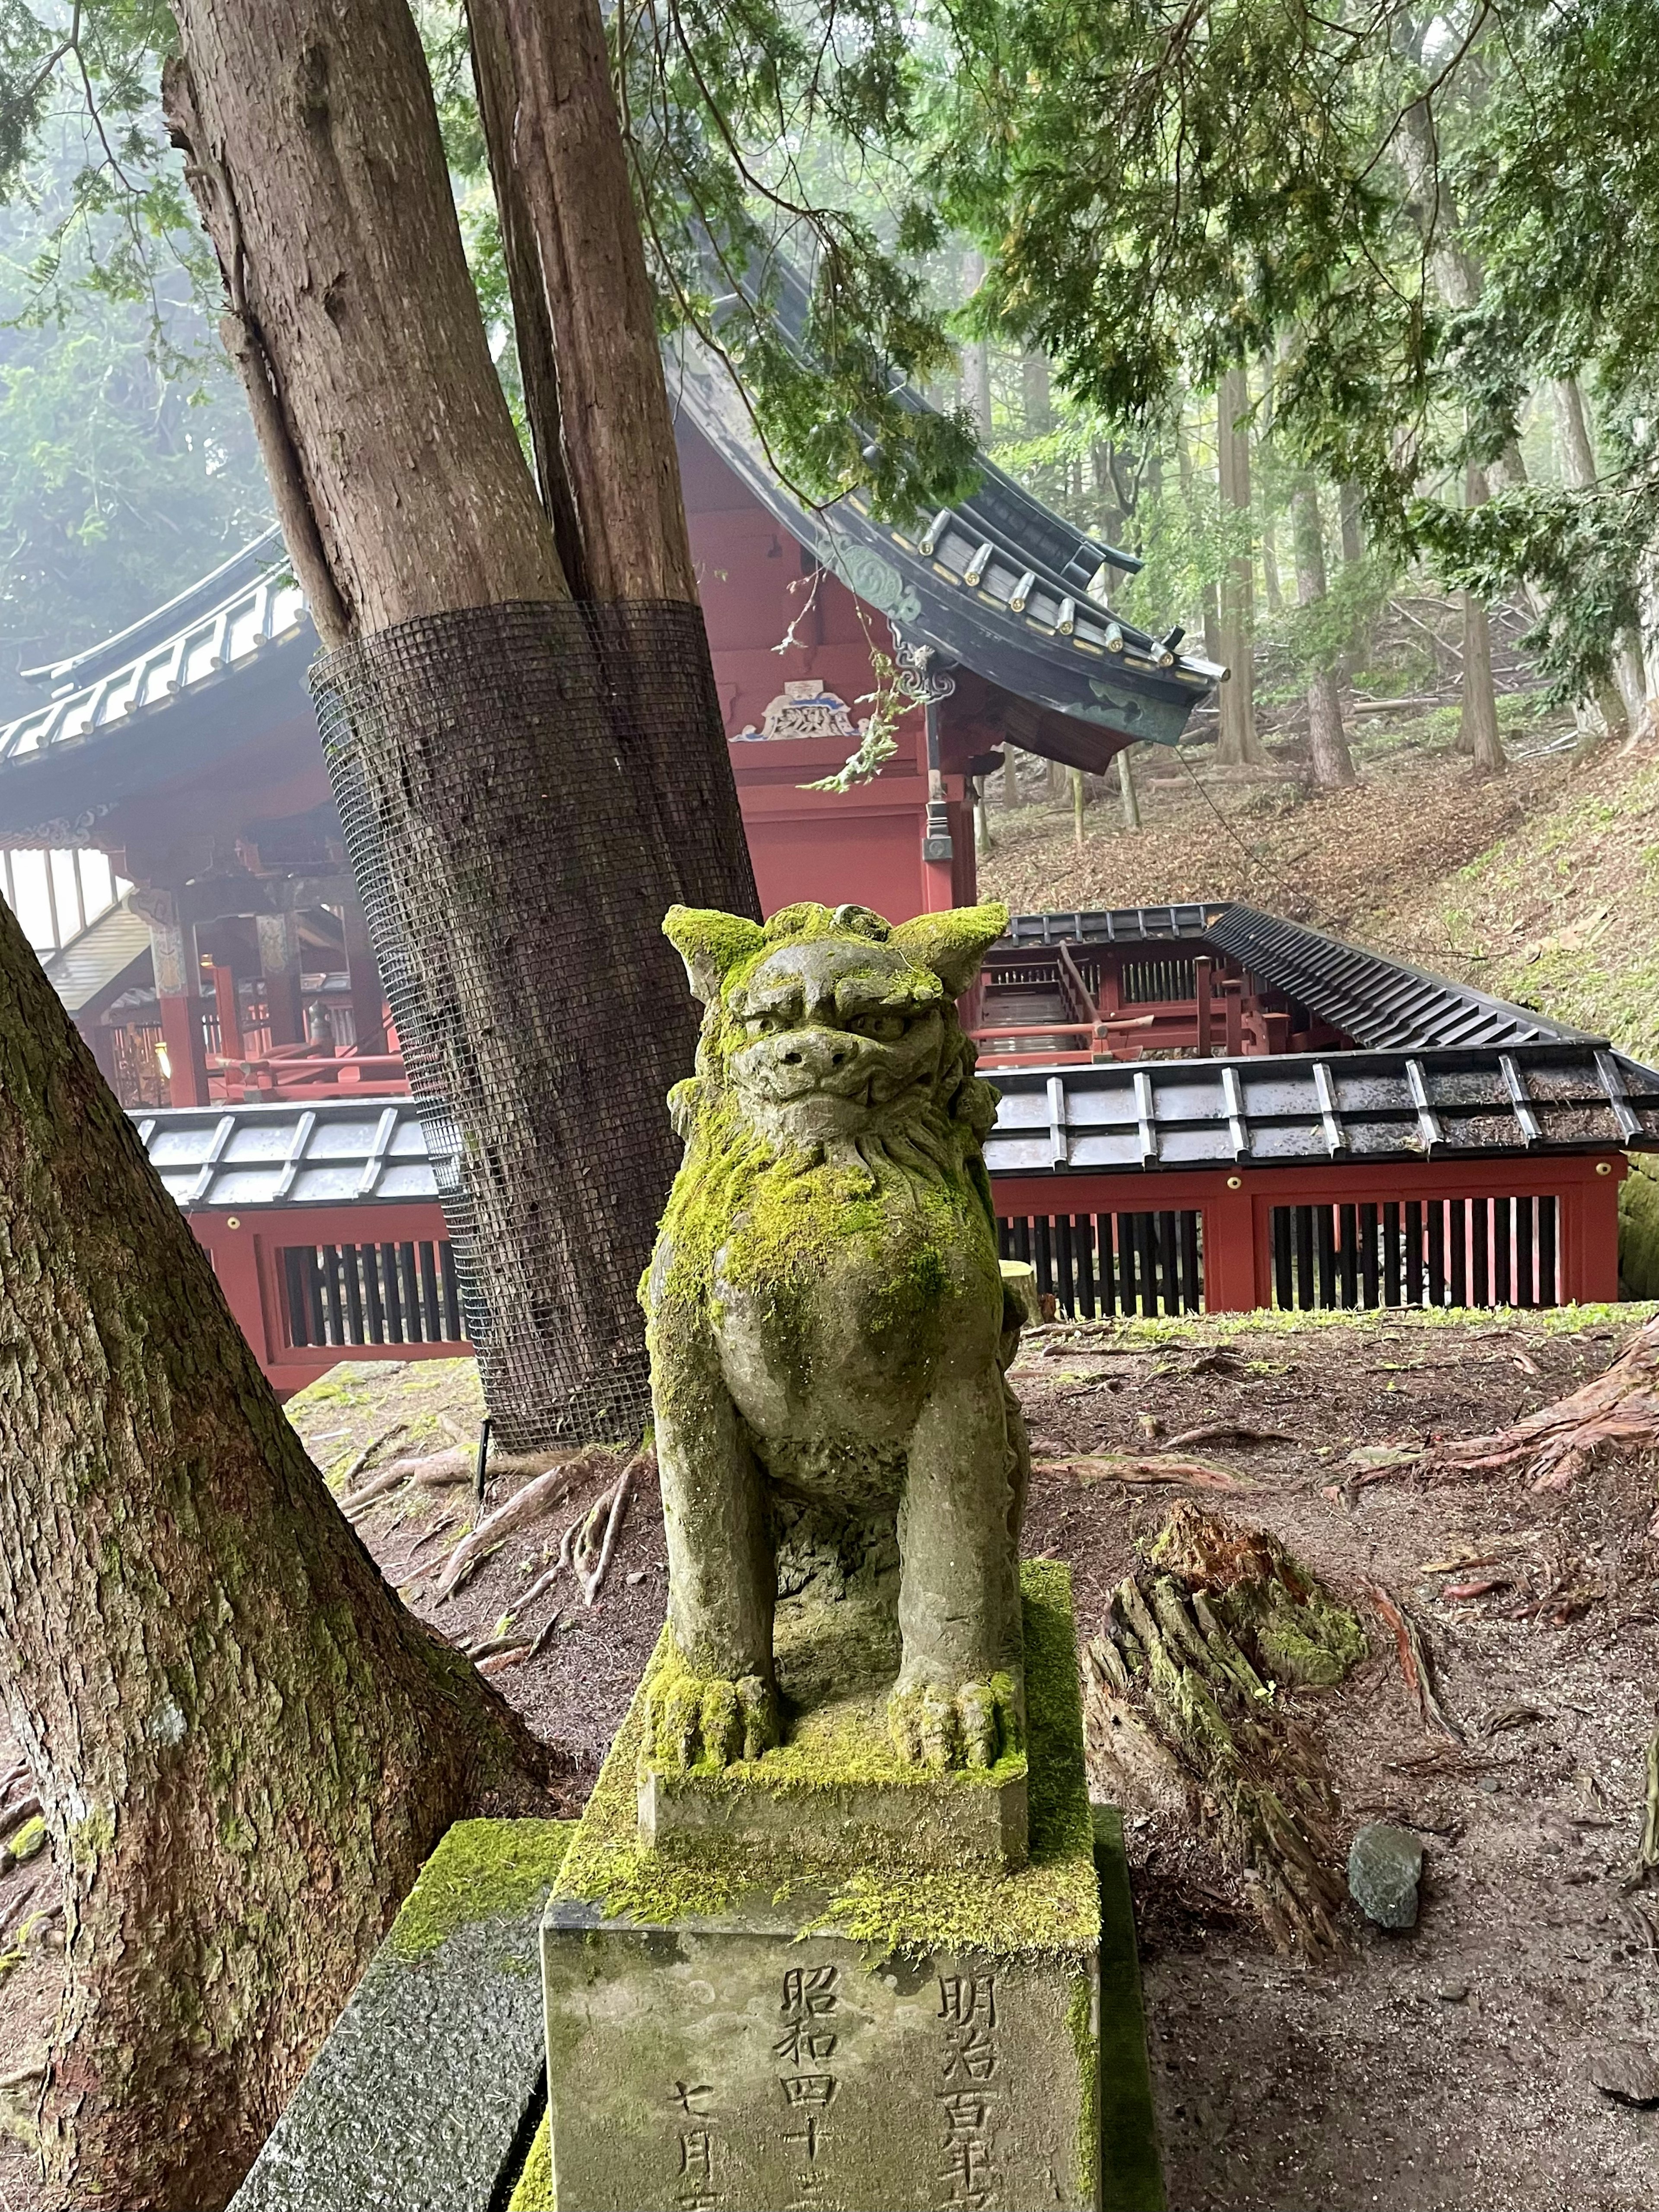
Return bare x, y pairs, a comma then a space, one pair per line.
998, 582
1534, 1100
1380, 1002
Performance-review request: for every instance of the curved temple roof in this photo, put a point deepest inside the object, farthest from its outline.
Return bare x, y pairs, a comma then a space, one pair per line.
998, 581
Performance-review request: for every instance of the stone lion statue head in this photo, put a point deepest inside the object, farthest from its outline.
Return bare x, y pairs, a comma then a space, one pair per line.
832, 1033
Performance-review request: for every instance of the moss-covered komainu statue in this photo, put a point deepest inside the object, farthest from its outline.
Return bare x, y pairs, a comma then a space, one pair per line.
827, 1325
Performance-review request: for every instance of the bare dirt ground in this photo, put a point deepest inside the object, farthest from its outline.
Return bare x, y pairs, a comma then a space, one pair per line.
1453, 2067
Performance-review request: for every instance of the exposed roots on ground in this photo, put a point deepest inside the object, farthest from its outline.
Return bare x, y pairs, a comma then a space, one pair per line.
1187, 1714
1619, 1410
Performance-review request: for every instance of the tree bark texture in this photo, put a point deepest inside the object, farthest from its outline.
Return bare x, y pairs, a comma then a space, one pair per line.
525, 787
245, 1747
1578, 467
493, 82
1239, 741
1333, 763
616, 430
311, 147
1126, 785
1477, 726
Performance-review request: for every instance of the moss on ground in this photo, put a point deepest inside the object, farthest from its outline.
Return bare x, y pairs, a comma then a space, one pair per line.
1185, 1332
1049, 1907
482, 1870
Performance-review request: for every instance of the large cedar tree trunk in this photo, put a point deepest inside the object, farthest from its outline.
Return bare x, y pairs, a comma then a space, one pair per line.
528, 781
244, 1746
1239, 741
1333, 763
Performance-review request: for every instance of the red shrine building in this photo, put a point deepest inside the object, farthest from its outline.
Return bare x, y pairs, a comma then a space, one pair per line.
1203, 1106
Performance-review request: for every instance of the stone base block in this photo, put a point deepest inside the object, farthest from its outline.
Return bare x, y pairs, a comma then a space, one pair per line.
427, 2091
739, 2031
835, 1787
741, 2064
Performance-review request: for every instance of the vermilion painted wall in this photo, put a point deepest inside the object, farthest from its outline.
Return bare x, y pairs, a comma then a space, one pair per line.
759, 588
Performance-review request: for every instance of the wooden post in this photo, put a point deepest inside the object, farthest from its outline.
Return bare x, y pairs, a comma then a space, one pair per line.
368, 999
230, 1020
279, 963
176, 963
1230, 1257
1233, 1005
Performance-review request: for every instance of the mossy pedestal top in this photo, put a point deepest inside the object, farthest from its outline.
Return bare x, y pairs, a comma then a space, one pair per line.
835, 1790
927, 1898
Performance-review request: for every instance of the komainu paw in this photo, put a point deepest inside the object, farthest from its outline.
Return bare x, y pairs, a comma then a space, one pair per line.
973, 1726
704, 1720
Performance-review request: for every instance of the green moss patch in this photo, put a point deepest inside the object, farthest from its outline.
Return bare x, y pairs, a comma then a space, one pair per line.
1050, 1906
533, 2190
482, 1870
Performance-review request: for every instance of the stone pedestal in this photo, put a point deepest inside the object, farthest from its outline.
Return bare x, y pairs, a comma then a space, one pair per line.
742, 2024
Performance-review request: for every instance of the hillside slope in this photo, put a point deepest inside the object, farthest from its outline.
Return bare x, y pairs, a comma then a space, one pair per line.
1541, 887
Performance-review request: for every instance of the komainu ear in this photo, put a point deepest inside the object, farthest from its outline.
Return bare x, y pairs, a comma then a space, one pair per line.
711, 944
954, 943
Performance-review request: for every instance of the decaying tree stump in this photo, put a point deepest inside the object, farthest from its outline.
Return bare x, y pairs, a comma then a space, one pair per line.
1190, 1710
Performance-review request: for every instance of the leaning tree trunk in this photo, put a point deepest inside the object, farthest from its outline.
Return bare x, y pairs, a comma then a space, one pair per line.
244, 1745
1333, 763
526, 783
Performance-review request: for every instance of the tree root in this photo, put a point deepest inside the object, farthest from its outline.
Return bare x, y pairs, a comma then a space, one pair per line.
1619, 1410
1113, 1467
1415, 1662
1183, 1716
540, 1495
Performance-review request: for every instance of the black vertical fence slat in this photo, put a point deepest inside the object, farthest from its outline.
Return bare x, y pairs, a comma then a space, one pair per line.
316, 1311
1045, 1263
1549, 1288
1147, 1263
1367, 1272
1479, 1272
1325, 1245
1347, 1252
1413, 1292
299, 1321
1284, 1289
396, 1327
1391, 1255
1501, 1284
1105, 1266
1127, 1290
1457, 1236
1065, 1283
1168, 1266
410, 1290
1435, 1227
355, 1332
1524, 1254
328, 1273
1083, 1235
1304, 1256
1023, 1240
1192, 1277
373, 1312
451, 1289
434, 1318
1005, 1240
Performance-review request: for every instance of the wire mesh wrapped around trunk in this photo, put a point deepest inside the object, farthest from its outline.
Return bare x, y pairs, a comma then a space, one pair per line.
525, 789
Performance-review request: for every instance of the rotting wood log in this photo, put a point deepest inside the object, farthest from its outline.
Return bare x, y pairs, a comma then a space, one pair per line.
1188, 1712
